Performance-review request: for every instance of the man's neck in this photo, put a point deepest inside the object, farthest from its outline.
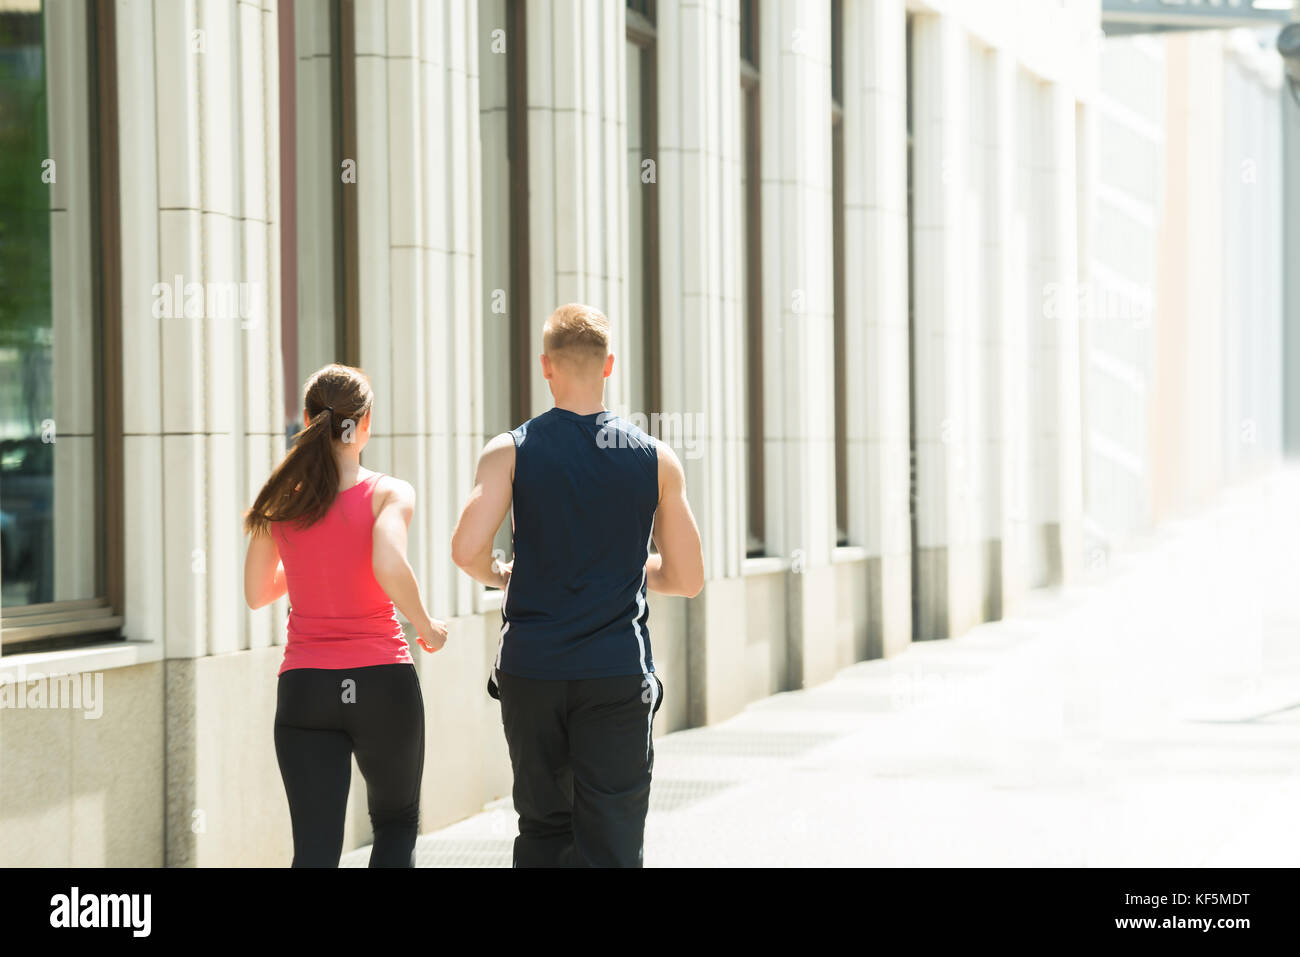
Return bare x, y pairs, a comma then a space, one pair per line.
587, 406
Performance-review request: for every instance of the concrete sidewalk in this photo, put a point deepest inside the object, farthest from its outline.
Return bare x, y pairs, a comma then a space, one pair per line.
1149, 716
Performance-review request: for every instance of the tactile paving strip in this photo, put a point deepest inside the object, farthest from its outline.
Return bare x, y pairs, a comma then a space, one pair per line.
742, 744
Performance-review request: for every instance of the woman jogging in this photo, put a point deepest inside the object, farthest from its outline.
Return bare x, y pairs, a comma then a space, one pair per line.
333, 535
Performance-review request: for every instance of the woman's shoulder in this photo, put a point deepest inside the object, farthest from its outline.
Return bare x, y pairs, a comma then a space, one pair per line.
389, 488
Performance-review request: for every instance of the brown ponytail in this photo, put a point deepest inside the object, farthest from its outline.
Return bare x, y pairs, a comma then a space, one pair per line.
303, 486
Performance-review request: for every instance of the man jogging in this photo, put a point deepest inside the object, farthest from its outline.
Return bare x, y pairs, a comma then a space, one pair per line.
587, 492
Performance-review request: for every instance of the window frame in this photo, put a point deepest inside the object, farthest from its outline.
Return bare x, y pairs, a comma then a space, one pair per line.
641, 31
752, 199
49, 626
519, 296
517, 369
843, 535
343, 198
912, 479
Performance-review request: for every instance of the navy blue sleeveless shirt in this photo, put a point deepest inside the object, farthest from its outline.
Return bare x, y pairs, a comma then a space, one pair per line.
585, 492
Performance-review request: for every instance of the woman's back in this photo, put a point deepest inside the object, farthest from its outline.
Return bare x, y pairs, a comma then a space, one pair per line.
348, 689
339, 615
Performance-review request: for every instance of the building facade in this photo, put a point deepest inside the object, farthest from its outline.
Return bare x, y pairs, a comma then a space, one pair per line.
840, 244
1185, 317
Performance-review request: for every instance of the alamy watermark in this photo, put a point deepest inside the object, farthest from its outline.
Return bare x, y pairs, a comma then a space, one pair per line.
681, 431
179, 299
1092, 301
33, 690
126, 911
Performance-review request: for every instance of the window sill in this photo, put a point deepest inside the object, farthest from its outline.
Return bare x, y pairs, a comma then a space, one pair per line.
842, 554
31, 624
71, 661
764, 565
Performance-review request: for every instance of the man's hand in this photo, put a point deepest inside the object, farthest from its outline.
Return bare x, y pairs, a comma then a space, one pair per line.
503, 569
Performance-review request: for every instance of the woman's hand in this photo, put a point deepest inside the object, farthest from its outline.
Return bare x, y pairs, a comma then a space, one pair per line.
433, 635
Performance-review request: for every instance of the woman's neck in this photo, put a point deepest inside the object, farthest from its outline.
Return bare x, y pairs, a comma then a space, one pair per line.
349, 464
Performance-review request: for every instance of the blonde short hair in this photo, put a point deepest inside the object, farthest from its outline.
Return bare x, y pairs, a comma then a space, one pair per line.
577, 331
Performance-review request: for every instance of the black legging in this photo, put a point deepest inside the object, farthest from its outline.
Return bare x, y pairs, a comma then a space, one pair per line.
322, 717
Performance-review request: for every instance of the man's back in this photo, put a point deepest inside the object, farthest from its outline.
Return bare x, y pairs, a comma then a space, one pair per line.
584, 497
587, 494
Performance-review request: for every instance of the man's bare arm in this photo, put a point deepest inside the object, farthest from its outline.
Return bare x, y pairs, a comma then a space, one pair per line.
485, 510
678, 569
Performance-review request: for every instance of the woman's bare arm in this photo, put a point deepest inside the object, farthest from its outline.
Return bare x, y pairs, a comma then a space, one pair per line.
393, 572
264, 580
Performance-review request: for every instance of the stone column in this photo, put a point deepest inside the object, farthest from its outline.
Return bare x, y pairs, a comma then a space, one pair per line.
875, 255
1007, 422
205, 438
418, 235
798, 391
701, 327
1059, 500
945, 337
1291, 274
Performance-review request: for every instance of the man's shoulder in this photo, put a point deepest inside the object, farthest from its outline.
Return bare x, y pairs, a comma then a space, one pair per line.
502, 441
519, 434
618, 432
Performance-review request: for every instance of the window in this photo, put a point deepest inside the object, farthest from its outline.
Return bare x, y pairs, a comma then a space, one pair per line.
837, 258
910, 66
643, 208
517, 151
60, 392
752, 305
503, 120
318, 289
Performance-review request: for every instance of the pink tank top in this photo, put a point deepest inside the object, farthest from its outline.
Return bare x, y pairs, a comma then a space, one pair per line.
339, 617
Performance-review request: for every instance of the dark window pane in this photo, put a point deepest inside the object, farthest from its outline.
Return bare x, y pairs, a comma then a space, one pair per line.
644, 7
841, 373
749, 31
48, 423
837, 246
753, 316
641, 368
313, 249
506, 323
837, 50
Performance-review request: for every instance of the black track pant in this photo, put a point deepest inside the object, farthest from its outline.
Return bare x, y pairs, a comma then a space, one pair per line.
324, 716
582, 756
